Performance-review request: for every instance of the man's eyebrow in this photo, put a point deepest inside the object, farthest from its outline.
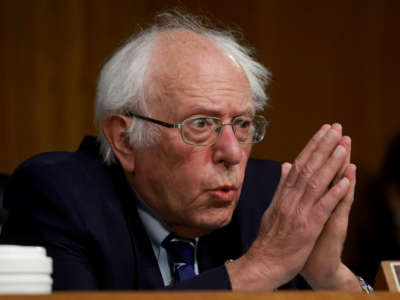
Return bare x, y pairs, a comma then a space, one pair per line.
196, 109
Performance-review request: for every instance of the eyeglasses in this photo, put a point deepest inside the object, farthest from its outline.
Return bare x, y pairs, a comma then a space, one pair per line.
204, 131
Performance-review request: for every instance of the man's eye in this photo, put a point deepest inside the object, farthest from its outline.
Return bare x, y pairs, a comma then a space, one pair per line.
201, 123
243, 123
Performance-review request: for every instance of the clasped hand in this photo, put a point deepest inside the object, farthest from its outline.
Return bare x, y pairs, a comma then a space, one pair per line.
304, 228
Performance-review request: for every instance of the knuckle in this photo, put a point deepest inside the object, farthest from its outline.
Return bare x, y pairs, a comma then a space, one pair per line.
284, 209
300, 213
324, 207
338, 191
307, 171
296, 167
335, 191
335, 136
331, 137
313, 186
302, 222
315, 140
289, 184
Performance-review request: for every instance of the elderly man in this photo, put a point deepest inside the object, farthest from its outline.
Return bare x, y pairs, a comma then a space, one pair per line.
177, 110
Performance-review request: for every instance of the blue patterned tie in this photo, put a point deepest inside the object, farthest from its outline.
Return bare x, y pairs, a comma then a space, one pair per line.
181, 255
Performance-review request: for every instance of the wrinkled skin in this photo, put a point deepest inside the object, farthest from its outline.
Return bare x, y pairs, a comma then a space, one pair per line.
304, 228
195, 189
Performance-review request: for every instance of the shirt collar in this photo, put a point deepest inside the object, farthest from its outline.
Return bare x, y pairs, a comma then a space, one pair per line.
157, 230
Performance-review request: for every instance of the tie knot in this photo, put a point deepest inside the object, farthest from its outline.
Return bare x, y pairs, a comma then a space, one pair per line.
181, 257
181, 250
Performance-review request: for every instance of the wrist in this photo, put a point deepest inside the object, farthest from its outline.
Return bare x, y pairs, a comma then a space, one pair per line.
342, 280
247, 274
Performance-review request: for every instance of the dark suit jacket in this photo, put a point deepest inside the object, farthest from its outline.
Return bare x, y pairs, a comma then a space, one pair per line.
84, 214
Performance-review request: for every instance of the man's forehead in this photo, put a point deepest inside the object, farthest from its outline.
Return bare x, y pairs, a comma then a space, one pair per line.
180, 54
187, 62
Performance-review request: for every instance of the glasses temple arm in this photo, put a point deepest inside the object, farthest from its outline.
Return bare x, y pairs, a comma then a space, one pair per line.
165, 124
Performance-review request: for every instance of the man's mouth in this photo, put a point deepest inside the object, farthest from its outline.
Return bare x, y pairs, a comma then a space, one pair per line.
225, 193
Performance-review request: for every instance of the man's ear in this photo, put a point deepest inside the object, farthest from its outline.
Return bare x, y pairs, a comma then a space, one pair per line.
114, 128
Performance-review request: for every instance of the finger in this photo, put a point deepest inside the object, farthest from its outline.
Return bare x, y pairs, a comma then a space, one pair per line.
306, 152
345, 142
324, 208
317, 185
313, 142
345, 205
350, 172
338, 221
319, 156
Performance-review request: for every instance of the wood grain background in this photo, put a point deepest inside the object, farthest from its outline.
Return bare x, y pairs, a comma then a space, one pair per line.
331, 61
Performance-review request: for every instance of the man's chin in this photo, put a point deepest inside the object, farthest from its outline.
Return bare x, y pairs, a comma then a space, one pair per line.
202, 228
215, 223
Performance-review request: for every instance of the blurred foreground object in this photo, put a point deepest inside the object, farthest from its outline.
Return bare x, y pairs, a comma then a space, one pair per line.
388, 277
25, 270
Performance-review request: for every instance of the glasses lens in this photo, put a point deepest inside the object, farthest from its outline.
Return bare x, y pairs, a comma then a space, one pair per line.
243, 128
260, 124
201, 130
249, 130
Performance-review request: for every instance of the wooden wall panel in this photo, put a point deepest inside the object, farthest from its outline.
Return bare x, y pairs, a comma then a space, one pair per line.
331, 61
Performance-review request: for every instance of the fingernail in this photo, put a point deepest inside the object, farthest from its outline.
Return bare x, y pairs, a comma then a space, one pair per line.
344, 182
339, 151
337, 126
322, 131
325, 127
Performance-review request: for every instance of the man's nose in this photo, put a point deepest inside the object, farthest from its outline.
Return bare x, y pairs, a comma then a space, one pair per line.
227, 149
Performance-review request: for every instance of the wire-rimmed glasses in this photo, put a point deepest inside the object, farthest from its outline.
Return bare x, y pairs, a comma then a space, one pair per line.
204, 130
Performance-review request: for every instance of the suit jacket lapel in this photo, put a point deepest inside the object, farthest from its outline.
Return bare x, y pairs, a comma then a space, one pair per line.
147, 273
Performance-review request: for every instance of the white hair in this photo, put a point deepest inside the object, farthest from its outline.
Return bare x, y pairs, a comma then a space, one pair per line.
121, 86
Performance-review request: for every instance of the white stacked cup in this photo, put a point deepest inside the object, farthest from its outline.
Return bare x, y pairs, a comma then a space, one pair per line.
25, 270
